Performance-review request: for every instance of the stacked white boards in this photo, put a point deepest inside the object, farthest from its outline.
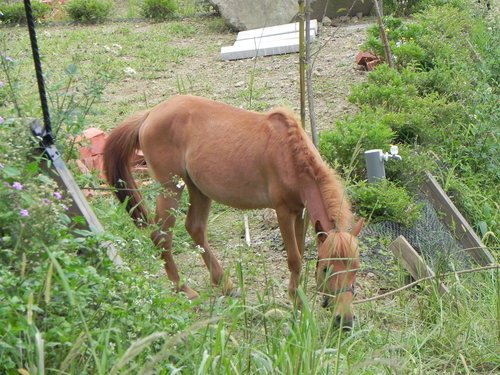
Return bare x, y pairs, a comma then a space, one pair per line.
273, 40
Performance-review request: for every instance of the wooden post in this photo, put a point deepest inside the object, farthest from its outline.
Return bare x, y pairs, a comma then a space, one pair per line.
412, 261
310, 98
383, 35
455, 222
302, 64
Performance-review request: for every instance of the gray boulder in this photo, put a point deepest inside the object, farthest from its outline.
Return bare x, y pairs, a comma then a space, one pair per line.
253, 14
339, 8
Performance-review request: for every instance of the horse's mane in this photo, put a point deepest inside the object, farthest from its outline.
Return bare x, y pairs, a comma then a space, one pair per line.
343, 246
307, 160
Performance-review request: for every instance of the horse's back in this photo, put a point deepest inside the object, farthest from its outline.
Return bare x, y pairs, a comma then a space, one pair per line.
224, 151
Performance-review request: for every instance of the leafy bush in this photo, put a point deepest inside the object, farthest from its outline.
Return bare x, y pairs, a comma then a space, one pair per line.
385, 201
89, 10
351, 137
407, 7
443, 96
159, 10
15, 12
72, 295
413, 110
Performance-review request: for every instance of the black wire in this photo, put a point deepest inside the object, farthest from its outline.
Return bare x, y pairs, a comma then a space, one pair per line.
47, 134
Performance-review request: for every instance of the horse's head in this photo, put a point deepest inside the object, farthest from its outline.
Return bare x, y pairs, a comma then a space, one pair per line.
338, 262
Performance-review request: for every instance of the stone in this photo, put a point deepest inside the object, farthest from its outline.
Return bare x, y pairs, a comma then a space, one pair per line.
337, 8
326, 21
246, 15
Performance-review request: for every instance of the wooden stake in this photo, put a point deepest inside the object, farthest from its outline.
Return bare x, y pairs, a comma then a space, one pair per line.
247, 230
455, 222
383, 35
310, 98
302, 64
413, 262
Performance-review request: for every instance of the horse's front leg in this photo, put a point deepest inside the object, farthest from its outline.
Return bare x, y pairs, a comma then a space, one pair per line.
286, 221
196, 225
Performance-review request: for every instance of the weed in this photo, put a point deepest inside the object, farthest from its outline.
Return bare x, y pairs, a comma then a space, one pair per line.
159, 10
15, 12
385, 201
91, 11
362, 132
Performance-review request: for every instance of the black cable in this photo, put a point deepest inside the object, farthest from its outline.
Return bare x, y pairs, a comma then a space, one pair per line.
46, 134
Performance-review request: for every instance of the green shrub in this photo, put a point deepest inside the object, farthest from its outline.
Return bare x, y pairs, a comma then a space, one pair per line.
351, 137
385, 201
15, 13
159, 10
443, 96
92, 11
386, 88
58, 282
410, 105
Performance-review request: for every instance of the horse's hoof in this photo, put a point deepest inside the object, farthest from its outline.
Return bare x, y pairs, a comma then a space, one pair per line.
228, 289
190, 293
234, 293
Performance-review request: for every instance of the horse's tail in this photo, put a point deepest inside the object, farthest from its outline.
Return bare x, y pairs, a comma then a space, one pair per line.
121, 145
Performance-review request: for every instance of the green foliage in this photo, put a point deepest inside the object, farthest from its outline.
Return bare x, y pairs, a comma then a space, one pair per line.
15, 12
92, 11
72, 296
407, 7
181, 30
346, 143
442, 97
159, 10
217, 24
385, 201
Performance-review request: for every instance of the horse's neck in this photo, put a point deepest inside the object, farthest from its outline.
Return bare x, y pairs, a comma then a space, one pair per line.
313, 201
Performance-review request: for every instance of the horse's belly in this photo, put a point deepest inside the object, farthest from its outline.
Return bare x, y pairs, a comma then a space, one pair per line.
233, 190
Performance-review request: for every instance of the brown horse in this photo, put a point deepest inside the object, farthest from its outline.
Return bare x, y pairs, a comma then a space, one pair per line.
245, 160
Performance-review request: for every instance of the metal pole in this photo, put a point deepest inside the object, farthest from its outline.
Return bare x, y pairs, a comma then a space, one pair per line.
47, 137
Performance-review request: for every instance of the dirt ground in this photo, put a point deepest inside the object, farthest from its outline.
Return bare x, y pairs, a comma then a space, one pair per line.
275, 82
257, 84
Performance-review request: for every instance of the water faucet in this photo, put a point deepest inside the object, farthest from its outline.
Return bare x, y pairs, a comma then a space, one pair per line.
393, 154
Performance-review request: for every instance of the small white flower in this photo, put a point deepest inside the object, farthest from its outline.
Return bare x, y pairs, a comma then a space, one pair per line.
129, 71
180, 184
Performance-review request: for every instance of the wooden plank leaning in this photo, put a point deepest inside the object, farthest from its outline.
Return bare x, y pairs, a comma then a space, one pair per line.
456, 223
413, 262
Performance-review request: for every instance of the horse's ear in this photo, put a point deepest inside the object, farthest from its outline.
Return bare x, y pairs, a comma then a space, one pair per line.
357, 227
320, 233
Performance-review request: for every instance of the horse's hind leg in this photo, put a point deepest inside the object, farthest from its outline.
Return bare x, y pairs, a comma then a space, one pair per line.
162, 237
196, 225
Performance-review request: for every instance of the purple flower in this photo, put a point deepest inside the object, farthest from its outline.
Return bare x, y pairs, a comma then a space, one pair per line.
57, 195
64, 207
1, 120
2, 84
24, 213
45, 201
9, 59
17, 185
